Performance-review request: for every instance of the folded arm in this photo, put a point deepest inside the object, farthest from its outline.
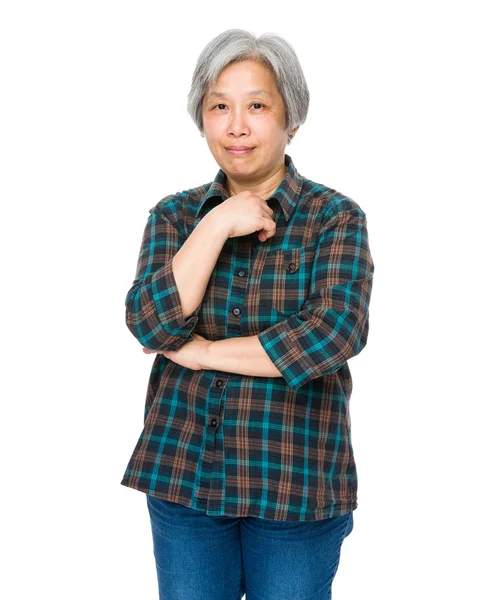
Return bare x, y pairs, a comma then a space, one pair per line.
332, 325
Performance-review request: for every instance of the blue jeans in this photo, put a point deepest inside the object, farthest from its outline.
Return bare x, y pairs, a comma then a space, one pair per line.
200, 557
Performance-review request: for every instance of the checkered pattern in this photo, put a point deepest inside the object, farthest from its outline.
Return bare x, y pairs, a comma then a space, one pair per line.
228, 444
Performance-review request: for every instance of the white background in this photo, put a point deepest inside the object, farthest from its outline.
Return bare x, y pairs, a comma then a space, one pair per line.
94, 132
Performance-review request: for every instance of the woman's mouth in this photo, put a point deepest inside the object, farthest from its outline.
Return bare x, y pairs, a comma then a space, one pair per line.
239, 150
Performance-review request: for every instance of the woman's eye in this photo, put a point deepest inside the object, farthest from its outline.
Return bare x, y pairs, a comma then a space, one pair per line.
258, 104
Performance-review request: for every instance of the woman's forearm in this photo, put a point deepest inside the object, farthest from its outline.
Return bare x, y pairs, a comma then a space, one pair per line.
242, 355
194, 262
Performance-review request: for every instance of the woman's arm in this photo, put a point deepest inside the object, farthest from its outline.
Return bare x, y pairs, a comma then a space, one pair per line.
172, 274
243, 355
194, 262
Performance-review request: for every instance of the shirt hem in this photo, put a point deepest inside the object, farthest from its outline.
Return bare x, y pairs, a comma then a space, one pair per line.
342, 507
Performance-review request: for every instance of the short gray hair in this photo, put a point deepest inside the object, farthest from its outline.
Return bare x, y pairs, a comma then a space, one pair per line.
237, 45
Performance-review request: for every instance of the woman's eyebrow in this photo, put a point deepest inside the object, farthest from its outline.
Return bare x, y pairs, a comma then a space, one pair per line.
250, 93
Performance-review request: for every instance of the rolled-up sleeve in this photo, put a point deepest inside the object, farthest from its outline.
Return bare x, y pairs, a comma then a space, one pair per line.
153, 306
332, 325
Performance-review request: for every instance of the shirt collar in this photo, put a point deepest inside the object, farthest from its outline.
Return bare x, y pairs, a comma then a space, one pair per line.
287, 193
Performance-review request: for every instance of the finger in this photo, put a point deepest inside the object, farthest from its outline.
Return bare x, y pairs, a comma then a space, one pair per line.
268, 224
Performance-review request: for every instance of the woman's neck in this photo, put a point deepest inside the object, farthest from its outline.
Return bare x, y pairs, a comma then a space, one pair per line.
264, 189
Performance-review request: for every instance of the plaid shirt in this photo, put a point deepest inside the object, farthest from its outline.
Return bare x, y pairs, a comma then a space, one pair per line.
229, 444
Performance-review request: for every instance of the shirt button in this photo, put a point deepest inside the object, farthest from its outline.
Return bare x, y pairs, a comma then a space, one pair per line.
292, 266
213, 422
236, 311
219, 383
241, 272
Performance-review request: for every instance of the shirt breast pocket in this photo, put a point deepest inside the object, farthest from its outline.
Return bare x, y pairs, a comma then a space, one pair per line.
285, 279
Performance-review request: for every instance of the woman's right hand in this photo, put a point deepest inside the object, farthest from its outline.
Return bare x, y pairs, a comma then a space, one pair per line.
245, 213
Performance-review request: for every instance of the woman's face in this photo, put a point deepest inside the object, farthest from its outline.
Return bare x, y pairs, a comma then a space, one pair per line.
245, 108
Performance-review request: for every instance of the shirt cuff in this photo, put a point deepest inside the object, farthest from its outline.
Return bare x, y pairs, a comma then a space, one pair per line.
286, 354
168, 308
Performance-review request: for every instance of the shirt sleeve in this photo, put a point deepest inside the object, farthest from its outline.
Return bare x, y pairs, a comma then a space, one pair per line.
332, 325
153, 306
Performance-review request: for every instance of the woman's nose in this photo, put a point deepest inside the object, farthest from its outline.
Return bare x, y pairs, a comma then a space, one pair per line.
238, 123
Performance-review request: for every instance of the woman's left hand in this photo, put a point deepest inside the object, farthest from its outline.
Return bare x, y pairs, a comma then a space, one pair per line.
189, 354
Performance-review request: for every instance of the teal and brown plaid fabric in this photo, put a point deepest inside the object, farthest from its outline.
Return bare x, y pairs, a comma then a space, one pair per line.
228, 444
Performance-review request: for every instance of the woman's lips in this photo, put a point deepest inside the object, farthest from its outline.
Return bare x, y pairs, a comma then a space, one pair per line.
241, 152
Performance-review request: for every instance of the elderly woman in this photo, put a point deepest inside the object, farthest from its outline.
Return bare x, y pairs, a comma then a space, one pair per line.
252, 292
